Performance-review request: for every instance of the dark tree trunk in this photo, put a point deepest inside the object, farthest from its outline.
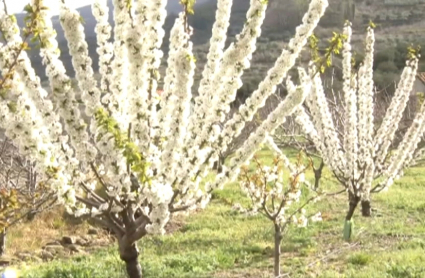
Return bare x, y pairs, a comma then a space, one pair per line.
353, 201
277, 241
130, 255
318, 174
366, 208
218, 165
3, 242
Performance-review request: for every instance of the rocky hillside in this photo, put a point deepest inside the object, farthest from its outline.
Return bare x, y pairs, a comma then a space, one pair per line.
173, 7
397, 21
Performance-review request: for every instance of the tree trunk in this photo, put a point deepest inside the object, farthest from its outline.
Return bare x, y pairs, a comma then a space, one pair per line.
366, 208
318, 174
3, 242
130, 255
353, 201
218, 165
277, 241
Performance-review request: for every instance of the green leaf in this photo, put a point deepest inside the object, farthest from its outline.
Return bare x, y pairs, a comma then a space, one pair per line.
82, 20
28, 8
188, 4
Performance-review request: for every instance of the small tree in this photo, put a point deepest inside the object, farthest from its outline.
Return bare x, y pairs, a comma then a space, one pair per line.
361, 158
279, 199
125, 163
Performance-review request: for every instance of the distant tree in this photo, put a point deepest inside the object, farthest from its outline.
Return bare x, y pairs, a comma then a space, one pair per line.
361, 157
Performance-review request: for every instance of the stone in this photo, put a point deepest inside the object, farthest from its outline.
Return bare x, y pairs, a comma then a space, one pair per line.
68, 240
46, 255
36, 259
24, 256
82, 242
53, 243
100, 242
5, 261
63, 253
93, 231
73, 248
86, 237
54, 249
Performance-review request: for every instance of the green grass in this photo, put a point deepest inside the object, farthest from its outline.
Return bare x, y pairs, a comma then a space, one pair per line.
218, 242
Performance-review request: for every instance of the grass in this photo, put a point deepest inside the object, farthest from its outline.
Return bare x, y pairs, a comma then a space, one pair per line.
221, 243
47, 226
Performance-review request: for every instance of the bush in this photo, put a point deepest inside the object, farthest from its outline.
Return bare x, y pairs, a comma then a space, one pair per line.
387, 67
385, 55
385, 80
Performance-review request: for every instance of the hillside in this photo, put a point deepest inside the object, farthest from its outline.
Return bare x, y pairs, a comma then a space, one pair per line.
397, 21
173, 7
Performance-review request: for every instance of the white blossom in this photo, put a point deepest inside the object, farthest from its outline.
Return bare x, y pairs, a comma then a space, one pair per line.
317, 217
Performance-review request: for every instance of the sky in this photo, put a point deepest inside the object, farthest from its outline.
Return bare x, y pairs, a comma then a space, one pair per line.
17, 6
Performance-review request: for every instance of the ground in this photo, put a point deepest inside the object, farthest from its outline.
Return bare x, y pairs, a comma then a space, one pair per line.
219, 242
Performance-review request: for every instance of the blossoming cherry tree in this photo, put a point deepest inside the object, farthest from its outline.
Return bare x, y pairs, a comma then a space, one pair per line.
361, 159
